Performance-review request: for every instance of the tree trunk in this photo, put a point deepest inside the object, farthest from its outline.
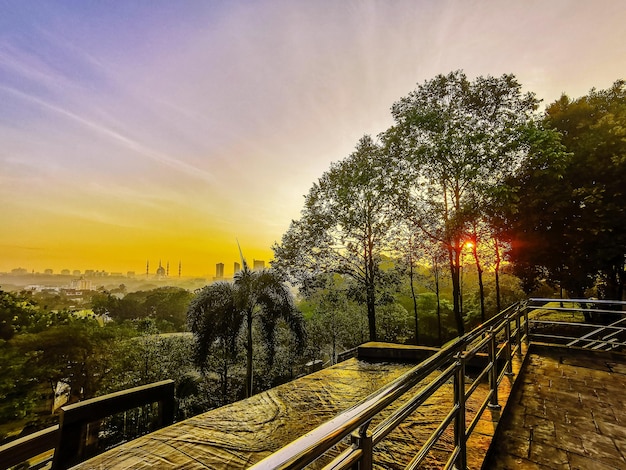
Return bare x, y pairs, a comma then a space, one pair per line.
481, 287
436, 265
370, 284
411, 275
497, 273
249, 356
225, 377
454, 254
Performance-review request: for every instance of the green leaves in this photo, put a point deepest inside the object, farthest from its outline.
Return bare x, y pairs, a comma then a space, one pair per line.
221, 313
570, 219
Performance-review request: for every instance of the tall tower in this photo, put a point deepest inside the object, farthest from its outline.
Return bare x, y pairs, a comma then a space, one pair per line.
180, 268
219, 271
147, 267
237, 267
167, 270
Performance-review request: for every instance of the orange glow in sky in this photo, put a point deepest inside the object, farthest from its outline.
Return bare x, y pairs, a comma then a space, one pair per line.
157, 130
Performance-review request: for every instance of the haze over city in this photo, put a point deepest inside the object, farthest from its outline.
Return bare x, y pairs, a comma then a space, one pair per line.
154, 130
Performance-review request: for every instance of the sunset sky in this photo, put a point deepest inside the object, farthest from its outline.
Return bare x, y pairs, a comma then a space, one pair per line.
147, 130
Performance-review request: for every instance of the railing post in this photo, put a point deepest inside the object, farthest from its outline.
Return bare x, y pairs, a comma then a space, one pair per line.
507, 329
362, 439
526, 325
459, 422
493, 376
518, 327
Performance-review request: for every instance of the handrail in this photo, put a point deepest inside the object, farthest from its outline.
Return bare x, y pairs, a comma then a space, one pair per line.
29, 446
75, 417
316, 442
64, 439
502, 335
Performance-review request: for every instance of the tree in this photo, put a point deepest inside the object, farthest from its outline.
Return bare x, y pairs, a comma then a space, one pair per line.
169, 304
17, 313
568, 224
334, 321
594, 131
221, 310
345, 224
459, 140
81, 354
216, 321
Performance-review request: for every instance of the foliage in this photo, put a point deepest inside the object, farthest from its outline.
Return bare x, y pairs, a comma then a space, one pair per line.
569, 222
345, 225
167, 305
334, 321
16, 314
220, 312
458, 140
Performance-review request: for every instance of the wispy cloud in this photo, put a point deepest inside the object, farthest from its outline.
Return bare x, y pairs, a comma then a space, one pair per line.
136, 147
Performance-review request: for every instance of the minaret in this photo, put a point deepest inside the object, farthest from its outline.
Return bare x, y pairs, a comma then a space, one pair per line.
167, 270
147, 267
180, 268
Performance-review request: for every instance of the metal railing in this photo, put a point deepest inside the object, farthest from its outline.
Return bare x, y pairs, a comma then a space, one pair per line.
500, 338
66, 442
348, 437
584, 323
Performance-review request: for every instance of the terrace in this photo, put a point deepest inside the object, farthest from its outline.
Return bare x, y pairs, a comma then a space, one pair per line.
537, 386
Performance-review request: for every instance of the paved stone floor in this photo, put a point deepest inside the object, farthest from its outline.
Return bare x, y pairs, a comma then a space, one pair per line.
567, 412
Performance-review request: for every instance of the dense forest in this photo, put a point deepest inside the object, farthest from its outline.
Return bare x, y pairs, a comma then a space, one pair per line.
471, 200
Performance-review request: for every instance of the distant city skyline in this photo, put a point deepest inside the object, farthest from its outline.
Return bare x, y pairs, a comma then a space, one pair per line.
158, 270
151, 128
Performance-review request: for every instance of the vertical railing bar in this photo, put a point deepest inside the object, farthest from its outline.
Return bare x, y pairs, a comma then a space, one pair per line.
493, 377
362, 439
526, 326
507, 328
518, 328
459, 422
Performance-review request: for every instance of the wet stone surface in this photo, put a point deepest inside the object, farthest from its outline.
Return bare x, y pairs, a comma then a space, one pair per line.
567, 413
243, 433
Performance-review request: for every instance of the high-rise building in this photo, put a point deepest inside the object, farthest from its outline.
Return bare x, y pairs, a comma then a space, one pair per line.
219, 271
81, 284
237, 267
258, 265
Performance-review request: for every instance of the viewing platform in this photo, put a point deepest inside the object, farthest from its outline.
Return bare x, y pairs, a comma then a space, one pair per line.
500, 397
568, 410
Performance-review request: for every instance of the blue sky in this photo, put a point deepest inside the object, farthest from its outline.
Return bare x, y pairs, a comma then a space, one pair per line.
134, 130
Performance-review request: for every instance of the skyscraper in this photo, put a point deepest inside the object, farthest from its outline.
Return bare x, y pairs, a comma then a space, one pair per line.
219, 271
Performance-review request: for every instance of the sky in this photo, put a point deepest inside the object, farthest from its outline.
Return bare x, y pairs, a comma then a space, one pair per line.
147, 130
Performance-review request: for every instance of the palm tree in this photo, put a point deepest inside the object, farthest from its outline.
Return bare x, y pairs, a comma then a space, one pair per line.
215, 323
221, 310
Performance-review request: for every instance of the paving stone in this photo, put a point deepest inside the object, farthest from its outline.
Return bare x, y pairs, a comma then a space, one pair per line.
579, 462
550, 456
575, 404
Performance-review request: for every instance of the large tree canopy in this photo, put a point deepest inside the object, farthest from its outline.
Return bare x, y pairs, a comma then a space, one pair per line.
570, 224
459, 140
345, 224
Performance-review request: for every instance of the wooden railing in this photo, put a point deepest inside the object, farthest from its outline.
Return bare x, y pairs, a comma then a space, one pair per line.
27, 447
68, 438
